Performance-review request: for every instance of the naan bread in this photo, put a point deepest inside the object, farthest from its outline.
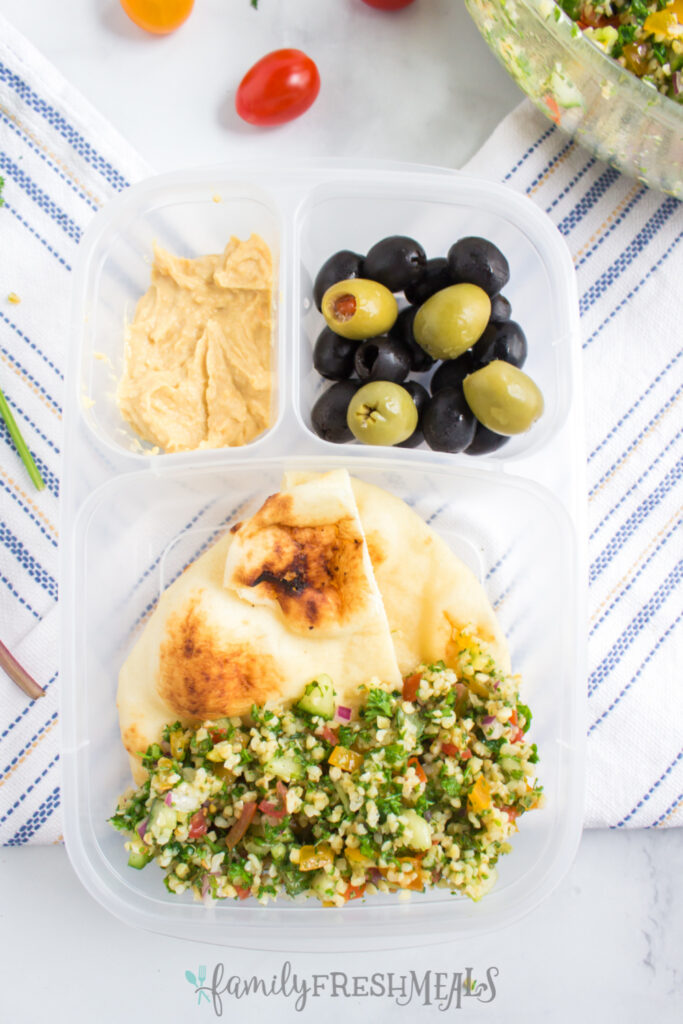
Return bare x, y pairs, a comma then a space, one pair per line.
427, 590
281, 598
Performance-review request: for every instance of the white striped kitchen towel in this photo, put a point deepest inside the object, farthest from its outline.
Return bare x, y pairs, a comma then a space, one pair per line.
627, 246
60, 161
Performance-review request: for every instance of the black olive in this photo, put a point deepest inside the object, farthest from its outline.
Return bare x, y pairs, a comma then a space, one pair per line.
396, 262
448, 423
505, 341
420, 361
339, 267
382, 358
478, 261
333, 355
435, 276
328, 416
500, 309
420, 396
452, 372
485, 441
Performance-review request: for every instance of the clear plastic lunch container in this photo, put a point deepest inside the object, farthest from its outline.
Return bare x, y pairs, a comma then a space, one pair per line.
133, 519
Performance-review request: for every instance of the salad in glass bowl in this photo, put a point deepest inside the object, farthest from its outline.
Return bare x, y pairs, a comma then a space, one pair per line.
609, 73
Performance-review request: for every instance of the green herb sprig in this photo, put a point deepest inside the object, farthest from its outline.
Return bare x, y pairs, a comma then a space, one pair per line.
20, 444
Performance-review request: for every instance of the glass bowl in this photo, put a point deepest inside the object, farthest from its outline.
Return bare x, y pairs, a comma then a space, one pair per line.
602, 105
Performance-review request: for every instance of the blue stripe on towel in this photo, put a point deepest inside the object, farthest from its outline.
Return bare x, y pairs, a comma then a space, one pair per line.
19, 598
635, 627
635, 520
634, 487
630, 253
32, 345
618, 308
57, 121
642, 396
36, 820
663, 541
7, 208
634, 679
50, 163
571, 185
29, 743
27, 561
31, 515
39, 197
29, 789
596, 191
677, 760
27, 710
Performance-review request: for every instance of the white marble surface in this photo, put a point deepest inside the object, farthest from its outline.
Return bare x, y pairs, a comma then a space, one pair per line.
419, 86
415, 85
605, 947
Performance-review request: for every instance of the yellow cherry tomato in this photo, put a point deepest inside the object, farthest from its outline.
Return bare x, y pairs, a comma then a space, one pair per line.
158, 16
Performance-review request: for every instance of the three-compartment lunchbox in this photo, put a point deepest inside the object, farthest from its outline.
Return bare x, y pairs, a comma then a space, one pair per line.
132, 519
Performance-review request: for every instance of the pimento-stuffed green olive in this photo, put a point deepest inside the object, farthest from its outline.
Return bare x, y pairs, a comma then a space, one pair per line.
359, 309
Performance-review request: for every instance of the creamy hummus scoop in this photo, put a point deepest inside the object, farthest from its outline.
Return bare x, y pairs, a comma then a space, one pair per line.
197, 367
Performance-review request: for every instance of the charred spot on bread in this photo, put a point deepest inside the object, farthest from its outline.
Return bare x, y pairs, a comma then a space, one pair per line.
202, 675
316, 574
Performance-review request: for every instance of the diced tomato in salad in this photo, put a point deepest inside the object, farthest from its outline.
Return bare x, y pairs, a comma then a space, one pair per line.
419, 770
198, 825
411, 684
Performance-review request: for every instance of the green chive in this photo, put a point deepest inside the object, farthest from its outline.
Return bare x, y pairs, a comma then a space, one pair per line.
20, 444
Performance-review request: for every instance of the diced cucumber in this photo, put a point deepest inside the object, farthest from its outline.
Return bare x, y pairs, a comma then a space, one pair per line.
318, 698
138, 858
416, 833
285, 766
323, 886
564, 91
162, 821
512, 766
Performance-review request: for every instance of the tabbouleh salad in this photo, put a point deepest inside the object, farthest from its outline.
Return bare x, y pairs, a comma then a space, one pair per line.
422, 787
644, 36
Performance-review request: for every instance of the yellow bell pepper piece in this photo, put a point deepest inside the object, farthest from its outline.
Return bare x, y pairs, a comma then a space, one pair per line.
177, 742
354, 856
668, 23
312, 858
347, 760
480, 797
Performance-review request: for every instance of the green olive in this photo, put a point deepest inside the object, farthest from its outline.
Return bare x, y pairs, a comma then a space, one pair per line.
503, 398
450, 322
382, 413
359, 308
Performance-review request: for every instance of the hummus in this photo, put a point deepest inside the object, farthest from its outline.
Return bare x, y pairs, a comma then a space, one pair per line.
197, 354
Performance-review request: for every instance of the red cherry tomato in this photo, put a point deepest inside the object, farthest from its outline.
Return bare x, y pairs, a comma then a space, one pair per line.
388, 5
279, 87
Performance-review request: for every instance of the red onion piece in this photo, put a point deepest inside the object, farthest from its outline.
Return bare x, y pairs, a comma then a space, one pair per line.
488, 720
168, 800
343, 712
142, 827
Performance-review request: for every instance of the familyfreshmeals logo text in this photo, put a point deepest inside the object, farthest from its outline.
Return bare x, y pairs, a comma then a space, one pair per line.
447, 990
